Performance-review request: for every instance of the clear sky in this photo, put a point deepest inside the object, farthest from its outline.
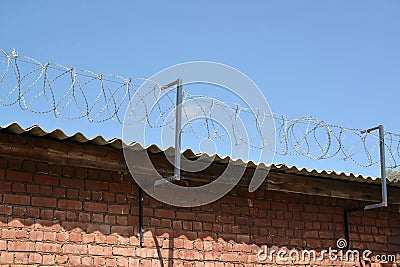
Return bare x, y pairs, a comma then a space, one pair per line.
335, 60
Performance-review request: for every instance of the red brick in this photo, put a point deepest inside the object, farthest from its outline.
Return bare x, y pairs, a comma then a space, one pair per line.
74, 260
21, 234
48, 247
111, 262
17, 199
8, 233
100, 261
70, 204
122, 230
109, 197
99, 250
32, 189
97, 218
59, 192
35, 258
46, 179
21, 257
84, 217
96, 185
44, 202
5, 210
71, 183
49, 259
279, 206
324, 217
36, 235
72, 193
5, 187
102, 228
100, 239
61, 259
96, 207
88, 261
88, 238
121, 198
123, 251
21, 246
97, 196
122, 220
19, 176
46, 214
49, 236
46, 190
112, 240
80, 173
62, 237
68, 171
75, 249
205, 217
164, 213
75, 237
108, 219
84, 194
185, 215
6, 257
118, 209
120, 188
18, 188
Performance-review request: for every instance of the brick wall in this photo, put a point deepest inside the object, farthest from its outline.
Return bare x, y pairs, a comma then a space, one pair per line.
69, 216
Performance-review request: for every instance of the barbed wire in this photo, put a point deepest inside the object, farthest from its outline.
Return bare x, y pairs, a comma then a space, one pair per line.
80, 94
74, 93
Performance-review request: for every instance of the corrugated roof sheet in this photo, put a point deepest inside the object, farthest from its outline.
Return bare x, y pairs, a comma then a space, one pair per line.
116, 143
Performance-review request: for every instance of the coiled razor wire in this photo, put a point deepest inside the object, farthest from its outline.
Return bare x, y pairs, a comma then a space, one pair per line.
74, 93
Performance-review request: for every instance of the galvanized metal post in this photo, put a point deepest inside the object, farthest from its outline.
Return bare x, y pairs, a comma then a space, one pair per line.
384, 202
383, 164
178, 131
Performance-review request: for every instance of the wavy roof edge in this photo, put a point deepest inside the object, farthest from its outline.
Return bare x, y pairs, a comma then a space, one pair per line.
80, 138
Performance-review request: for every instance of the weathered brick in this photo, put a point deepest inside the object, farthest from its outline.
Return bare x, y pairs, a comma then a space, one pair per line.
102, 228
96, 185
5, 210
122, 230
95, 207
164, 213
118, 209
36, 235
46, 179
99, 250
35, 258
120, 188
5, 187
44, 202
69, 204
71, 183
19, 176
123, 251
48, 247
16, 199
21, 246
74, 249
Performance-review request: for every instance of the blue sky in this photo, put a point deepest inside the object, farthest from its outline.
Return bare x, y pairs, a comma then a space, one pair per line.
335, 60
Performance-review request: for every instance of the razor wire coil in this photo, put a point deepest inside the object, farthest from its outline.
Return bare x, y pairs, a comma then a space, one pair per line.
103, 97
